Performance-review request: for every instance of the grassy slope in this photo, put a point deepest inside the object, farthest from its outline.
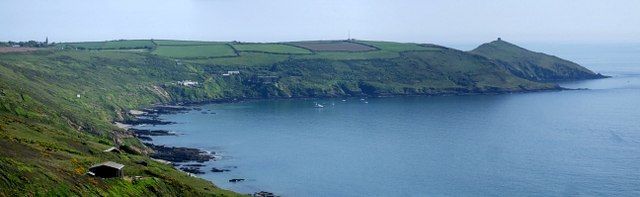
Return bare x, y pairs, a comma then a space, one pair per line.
532, 65
49, 136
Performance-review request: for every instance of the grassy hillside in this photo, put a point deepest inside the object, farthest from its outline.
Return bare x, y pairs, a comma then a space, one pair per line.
50, 136
58, 106
532, 65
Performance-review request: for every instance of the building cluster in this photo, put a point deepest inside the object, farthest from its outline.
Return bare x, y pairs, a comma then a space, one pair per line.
188, 83
30, 43
231, 72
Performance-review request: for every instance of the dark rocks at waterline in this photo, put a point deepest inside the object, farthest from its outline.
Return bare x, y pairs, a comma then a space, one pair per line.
152, 121
214, 169
263, 194
194, 165
145, 132
234, 167
165, 109
179, 154
193, 170
235, 180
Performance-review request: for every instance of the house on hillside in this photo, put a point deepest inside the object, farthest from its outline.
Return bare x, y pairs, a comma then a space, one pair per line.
231, 72
107, 169
188, 83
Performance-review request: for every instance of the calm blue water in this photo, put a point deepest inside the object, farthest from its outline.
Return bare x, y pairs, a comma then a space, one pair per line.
562, 143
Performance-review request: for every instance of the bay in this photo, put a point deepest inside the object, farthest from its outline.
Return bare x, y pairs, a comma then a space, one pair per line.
577, 142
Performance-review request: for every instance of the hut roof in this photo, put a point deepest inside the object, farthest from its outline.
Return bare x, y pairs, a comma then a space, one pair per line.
109, 164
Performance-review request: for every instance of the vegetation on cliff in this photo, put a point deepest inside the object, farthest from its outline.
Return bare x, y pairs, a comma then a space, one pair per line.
533, 65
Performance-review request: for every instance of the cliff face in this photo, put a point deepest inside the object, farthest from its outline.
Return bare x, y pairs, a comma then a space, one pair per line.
533, 65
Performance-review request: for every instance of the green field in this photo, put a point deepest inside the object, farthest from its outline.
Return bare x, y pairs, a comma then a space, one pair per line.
387, 50
209, 52
379, 54
116, 44
245, 59
195, 51
86, 45
183, 42
128, 44
395, 46
333, 46
270, 48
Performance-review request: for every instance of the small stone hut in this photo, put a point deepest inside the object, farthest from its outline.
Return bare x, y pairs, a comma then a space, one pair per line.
107, 169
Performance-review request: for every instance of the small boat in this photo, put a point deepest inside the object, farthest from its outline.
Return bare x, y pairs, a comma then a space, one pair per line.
318, 105
344, 100
366, 102
362, 99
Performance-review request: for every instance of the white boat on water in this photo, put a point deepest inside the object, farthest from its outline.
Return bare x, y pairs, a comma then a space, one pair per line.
318, 105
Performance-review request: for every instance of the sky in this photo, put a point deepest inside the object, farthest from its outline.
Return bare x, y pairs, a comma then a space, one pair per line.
422, 21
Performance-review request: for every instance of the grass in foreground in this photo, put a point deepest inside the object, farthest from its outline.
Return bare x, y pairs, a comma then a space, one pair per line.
49, 136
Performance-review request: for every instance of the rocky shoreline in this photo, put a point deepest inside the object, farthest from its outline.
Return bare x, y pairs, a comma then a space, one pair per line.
180, 154
150, 116
181, 158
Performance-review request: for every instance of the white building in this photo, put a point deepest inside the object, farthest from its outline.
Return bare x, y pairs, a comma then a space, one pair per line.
188, 83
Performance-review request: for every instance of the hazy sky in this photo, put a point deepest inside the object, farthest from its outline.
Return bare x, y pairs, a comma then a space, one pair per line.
432, 21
